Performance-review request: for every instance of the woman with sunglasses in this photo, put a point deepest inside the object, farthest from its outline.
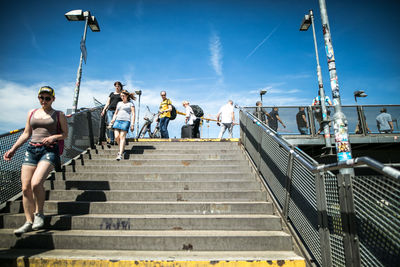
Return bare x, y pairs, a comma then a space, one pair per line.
123, 119
45, 126
110, 106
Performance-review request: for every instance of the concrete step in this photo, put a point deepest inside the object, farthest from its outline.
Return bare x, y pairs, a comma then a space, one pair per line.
176, 152
153, 175
150, 207
120, 167
243, 222
173, 146
85, 257
163, 162
225, 156
149, 240
151, 195
146, 185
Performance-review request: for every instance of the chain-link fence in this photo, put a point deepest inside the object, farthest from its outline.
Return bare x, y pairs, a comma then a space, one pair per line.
313, 203
84, 132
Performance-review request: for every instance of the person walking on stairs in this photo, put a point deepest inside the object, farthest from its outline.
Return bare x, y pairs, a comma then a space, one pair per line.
165, 114
46, 127
226, 118
123, 119
109, 108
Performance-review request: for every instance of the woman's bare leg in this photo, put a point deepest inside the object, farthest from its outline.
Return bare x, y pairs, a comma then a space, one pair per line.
39, 176
122, 142
28, 201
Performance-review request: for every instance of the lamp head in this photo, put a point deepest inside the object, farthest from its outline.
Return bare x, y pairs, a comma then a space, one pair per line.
139, 92
263, 92
75, 15
359, 93
306, 23
93, 24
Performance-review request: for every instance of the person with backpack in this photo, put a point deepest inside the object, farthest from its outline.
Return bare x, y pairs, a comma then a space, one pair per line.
165, 111
192, 118
47, 128
198, 112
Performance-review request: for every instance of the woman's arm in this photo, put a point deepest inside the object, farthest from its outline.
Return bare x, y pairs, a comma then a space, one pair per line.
114, 117
21, 140
59, 136
106, 106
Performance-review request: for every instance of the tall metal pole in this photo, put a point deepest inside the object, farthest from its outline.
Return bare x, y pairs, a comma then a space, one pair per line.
325, 121
343, 149
79, 73
137, 124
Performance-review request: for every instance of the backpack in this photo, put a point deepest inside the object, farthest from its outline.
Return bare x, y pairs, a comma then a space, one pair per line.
198, 111
173, 113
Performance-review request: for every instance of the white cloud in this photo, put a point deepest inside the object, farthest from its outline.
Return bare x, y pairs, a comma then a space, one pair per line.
215, 47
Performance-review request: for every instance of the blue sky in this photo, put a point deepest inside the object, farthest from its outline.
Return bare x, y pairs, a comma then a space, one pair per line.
205, 52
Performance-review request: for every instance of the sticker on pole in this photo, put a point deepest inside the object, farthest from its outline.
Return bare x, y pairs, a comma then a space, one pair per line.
83, 50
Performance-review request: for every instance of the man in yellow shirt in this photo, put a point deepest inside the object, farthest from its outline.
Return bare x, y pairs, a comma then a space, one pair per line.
165, 114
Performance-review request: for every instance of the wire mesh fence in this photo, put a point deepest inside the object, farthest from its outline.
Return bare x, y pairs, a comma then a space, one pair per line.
376, 202
362, 119
84, 131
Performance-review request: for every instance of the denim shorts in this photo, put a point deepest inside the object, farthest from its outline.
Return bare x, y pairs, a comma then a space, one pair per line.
35, 154
122, 125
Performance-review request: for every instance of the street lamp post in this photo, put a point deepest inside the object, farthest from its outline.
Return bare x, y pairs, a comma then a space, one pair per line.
362, 126
262, 92
305, 24
79, 15
340, 124
139, 93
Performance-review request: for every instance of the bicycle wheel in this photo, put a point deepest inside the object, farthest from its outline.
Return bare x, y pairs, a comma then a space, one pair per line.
143, 131
156, 133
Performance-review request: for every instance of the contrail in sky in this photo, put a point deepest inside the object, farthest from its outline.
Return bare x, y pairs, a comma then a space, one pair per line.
263, 41
216, 53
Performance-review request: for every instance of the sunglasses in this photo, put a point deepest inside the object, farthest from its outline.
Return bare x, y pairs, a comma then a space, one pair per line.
163, 95
46, 98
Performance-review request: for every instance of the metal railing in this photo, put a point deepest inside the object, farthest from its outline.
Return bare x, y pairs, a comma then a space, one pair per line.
361, 118
338, 219
84, 132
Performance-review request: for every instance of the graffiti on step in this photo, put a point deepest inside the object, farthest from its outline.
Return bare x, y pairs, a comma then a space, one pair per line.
115, 224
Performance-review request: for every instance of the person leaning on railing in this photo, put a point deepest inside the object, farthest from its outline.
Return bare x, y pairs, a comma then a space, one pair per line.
46, 127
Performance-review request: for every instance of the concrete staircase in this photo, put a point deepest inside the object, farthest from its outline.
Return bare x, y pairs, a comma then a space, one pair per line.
186, 202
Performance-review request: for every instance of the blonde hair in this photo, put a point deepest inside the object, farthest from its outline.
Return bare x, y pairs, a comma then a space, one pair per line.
185, 102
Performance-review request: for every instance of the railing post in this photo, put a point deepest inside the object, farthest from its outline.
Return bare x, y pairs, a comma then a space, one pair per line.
323, 227
243, 126
289, 174
102, 134
90, 129
312, 121
348, 216
363, 123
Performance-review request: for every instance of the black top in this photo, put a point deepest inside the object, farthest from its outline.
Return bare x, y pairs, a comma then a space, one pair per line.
260, 114
299, 119
114, 99
272, 119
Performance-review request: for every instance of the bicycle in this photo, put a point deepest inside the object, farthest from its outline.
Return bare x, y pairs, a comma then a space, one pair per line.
146, 128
